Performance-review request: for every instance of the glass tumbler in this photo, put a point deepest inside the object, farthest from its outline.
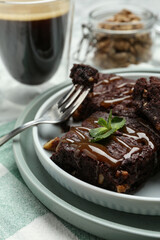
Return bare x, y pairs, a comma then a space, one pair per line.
35, 38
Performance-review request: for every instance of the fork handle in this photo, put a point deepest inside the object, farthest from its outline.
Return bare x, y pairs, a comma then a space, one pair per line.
5, 138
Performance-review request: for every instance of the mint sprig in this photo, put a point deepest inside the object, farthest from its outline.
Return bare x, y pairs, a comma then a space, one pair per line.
107, 127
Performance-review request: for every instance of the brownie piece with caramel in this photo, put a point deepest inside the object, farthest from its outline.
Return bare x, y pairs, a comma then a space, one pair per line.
128, 157
110, 92
119, 163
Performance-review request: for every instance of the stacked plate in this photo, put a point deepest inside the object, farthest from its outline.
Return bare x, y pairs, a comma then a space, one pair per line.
101, 212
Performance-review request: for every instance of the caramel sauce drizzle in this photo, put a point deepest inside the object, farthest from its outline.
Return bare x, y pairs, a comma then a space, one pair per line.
115, 78
125, 84
127, 95
100, 153
107, 103
103, 82
140, 136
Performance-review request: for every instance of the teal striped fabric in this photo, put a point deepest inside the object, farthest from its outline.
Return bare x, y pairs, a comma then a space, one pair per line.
22, 216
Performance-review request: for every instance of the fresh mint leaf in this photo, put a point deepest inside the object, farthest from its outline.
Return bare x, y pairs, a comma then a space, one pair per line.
97, 131
103, 136
109, 120
102, 122
107, 127
118, 123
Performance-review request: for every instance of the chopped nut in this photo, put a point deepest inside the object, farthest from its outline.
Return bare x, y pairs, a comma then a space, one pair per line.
91, 79
100, 178
145, 93
122, 188
125, 174
122, 173
52, 144
145, 104
118, 173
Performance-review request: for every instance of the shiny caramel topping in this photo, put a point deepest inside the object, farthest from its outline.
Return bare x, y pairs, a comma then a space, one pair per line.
126, 95
99, 152
122, 85
109, 102
126, 90
139, 136
115, 78
103, 82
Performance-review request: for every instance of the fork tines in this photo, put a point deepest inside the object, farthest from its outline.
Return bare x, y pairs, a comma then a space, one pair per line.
71, 101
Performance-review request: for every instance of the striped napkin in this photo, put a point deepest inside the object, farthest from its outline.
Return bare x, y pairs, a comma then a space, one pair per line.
22, 215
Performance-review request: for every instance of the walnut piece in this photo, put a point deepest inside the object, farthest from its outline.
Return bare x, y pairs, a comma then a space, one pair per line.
100, 178
122, 188
52, 144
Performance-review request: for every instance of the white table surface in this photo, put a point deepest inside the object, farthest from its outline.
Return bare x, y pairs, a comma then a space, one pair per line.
20, 95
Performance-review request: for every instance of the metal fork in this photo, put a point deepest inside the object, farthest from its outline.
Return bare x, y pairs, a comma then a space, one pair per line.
58, 113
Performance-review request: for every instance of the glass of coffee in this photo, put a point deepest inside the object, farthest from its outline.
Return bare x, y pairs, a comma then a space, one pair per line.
34, 36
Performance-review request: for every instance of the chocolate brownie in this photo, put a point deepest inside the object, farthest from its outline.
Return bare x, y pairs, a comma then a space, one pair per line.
146, 96
124, 160
84, 75
119, 163
110, 92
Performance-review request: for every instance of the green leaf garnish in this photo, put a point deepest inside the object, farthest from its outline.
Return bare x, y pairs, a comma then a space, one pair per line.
117, 122
97, 131
109, 120
102, 122
107, 127
103, 136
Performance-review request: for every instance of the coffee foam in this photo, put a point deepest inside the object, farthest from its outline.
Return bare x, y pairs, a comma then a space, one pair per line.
24, 10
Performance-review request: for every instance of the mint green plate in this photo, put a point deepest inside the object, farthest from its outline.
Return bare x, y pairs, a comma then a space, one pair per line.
100, 221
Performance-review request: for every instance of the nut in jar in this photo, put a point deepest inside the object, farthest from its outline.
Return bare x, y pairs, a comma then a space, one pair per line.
117, 38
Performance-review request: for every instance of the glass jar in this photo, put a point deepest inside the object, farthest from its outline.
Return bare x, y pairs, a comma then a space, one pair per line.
117, 36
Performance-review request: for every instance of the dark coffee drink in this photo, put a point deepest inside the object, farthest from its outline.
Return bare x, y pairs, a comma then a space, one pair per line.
31, 48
